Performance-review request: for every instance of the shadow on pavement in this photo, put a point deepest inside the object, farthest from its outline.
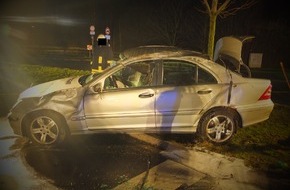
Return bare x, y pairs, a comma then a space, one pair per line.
99, 161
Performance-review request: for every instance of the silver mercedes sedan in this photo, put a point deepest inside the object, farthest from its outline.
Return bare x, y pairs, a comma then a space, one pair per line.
151, 89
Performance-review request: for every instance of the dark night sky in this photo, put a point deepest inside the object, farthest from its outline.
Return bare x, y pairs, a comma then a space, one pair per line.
66, 22
49, 17
80, 14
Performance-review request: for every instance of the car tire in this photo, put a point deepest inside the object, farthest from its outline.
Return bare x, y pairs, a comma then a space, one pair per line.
218, 126
46, 128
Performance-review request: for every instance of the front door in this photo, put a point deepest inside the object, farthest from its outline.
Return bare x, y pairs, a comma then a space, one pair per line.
125, 102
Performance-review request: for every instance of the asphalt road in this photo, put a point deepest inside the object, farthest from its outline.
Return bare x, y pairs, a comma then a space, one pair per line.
135, 161
93, 161
100, 161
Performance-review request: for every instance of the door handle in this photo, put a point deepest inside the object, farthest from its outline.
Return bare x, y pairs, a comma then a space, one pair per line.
204, 91
145, 95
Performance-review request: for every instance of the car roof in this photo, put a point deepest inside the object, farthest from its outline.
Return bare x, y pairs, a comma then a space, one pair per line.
157, 51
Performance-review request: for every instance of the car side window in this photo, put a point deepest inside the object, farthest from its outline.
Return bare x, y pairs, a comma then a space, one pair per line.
178, 73
138, 74
205, 77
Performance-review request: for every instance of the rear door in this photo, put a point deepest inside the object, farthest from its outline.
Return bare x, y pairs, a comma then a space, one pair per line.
184, 91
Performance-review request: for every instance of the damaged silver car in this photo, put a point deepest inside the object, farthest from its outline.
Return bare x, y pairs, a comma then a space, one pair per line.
151, 89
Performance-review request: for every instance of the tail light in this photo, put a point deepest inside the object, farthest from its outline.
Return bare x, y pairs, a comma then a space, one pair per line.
267, 94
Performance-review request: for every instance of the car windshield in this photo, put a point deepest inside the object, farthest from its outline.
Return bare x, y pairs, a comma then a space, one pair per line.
85, 79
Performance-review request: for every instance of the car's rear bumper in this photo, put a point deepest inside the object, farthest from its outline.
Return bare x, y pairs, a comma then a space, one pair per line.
256, 113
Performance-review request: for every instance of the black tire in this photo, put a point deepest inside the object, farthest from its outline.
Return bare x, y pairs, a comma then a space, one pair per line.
46, 128
218, 126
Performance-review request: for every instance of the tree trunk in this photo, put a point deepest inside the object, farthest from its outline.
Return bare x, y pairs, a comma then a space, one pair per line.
211, 35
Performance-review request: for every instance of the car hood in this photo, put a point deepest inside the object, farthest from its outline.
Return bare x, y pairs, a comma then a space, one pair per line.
49, 87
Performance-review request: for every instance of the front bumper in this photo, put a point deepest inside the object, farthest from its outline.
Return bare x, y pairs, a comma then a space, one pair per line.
15, 123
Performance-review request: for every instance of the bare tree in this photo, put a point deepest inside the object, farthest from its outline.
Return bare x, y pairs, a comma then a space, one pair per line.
166, 23
222, 8
172, 23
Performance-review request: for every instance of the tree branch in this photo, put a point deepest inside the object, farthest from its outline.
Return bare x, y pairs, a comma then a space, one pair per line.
232, 11
223, 6
208, 9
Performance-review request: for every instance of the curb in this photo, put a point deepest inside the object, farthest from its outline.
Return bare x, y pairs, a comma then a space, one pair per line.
229, 172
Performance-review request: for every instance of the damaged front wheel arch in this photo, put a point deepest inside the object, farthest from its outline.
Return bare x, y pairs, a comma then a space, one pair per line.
45, 127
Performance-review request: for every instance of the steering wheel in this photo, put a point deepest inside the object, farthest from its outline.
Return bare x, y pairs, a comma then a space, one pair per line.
113, 81
118, 83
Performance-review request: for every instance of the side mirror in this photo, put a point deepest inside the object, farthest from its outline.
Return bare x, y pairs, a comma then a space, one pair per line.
97, 88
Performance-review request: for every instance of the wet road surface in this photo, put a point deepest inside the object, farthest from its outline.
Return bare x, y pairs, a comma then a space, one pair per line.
121, 162
99, 161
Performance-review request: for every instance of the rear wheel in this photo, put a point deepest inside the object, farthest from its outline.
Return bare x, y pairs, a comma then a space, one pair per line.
46, 128
218, 126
